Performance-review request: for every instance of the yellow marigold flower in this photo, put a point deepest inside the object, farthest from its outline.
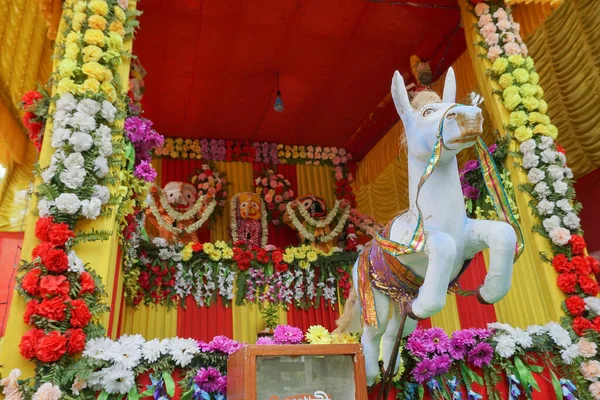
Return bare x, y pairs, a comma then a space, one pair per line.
93, 70
117, 27
98, 7
77, 21
227, 253
505, 80
543, 107
73, 37
521, 75
119, 13
114, 41
523, 133
208, 247
66, 85
311, 256
186, 253
89, 85
220, 244
500, 65
80, 6
541, 129
109, 90
516, 59
94, 36
304, 264
536, 118
288, 258
518, 118
215, 255
529, 63
534, 78
299, 254
531, 103
343, 338
97, 22
512, 102
71, 51
318, 334
174, 154
91, 53
302, 154
552, 131
67, 68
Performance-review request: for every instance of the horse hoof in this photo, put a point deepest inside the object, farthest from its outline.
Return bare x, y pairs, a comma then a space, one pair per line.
480, 298
408, 311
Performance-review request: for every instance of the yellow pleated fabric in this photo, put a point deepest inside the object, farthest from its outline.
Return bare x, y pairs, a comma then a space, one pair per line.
531, 15
540, 2
150, 321
466, 81
317, 180
380, 156
448, 318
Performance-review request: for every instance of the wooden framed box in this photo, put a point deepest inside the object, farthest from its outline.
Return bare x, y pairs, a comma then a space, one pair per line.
297, 372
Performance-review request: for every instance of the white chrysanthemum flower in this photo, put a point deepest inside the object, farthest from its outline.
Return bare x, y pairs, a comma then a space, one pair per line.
118, 379
81, 141
551, 223
47, 392
545, 142
101, 166
593, 304
75, 263
73, 177
159, 242
66, 102
542, 189
91, 208
176, 256
103, 131
83, 121
126, 355
59, 137
568, 172
528, 146
535, 175
57, 157
564, 205
102, 193
545, 207
530, 160
560, 236
74, 160
562, 159
132, 340
44, 207
105, 147
88, 106
153, 349
500, 326
560, 187
505, 346
98, 348
569, 354
536, 330
61, 119
48, 173
68, 203
183, 350
556, 172
572, 221
559, 335
165, 254
108, 111
95, 380
522, 338
549, 156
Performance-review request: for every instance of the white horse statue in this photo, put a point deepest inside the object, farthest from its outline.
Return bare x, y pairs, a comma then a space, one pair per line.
407, 271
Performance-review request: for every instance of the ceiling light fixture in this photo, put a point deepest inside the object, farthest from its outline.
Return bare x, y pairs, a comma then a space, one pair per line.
278, 105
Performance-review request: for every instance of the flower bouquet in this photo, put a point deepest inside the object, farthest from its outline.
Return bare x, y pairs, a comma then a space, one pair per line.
208, 180
275, 191
35, 104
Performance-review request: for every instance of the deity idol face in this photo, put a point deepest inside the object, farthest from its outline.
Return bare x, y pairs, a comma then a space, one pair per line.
314, 205
249, 206
180, 195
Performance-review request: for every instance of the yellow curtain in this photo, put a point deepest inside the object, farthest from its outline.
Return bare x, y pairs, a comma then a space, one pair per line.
317, 180
150, 321
466, 81
531, 15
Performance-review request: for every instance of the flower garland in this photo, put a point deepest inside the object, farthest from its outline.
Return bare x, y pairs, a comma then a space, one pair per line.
233, 221
35, 104
364, 223
343, 189
334, 213
209, 181
177, 216
275, 190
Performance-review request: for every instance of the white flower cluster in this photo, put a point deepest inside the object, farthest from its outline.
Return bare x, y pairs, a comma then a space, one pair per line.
510, 340
167, 252
204, 286
118, 359
225, 280
79, 134
547, 171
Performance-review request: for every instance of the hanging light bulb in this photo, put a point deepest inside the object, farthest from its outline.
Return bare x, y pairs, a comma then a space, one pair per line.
278, 105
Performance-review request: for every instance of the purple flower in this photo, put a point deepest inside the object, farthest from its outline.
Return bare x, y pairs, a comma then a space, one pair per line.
205, 347
286, 334
418, 344
424, 370
265, 340
470, 192
144, 138
442, 364
461, 341
458, 353
482, 333
144, 170
471, 165
493, 148
439, 340
481, 355
224, 344
210, 380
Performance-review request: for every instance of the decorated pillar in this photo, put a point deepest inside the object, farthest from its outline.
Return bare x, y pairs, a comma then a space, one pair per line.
69, 276
553, 264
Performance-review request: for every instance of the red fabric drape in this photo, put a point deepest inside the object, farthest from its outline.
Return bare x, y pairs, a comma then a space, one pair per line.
473, 314
10, 245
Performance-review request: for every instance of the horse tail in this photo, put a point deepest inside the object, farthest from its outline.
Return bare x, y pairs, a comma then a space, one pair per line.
350, 320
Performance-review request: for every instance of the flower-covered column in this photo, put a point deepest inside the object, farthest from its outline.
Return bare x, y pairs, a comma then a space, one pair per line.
67, 279
510, 85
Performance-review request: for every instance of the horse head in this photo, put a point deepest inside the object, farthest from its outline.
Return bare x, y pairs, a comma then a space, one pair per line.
462, 125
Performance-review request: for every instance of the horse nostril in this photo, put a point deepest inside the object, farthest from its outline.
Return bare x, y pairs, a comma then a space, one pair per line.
451, 116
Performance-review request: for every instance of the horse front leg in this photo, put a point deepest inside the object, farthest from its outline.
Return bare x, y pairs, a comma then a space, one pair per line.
389, 337
371, 336
501, 239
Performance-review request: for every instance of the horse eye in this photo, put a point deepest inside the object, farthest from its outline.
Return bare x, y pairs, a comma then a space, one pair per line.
427, 111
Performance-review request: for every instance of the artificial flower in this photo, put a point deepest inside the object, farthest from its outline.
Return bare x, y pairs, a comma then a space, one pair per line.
567, 282
560, 236
587, 349
80, 314
97, 22
76, 341
590, 370
286, 334
47, 391
30, 310
51, 285
117, 379
94, 37
55, 260
318, 334
51, 347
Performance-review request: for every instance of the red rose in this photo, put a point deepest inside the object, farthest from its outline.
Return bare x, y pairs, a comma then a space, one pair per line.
56, 260
589, 285
277, 256
87, 283
30, 310
42, 228
31, 97
196, 247
31, 280
80, 314
581, 265
577, 244
281, 267
279, 189
581, 324
29, 343
561, 264
597, 324
41, 250
59, 234
575, 305
53, 308
51, 347
208, 172
51, 285
594, 264
76, 341
567, 282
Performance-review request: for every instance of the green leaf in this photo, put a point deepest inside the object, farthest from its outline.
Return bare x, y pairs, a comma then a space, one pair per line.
133, 393
525, 375
169, 383
556, 385
147, 393
103, 395
421, 392
187, 395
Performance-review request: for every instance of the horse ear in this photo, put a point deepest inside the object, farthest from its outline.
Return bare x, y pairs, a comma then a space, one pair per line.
449, 87
400, 96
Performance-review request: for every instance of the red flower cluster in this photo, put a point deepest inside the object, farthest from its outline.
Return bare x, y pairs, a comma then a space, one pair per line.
243, 255
345, 283
53, 292
32, 122
239, 151
157, 281
343, 190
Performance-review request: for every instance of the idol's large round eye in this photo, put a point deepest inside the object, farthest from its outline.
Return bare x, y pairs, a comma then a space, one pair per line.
428, 111
244, 204
254, 205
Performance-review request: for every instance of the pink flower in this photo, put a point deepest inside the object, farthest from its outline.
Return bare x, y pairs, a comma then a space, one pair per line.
316, 162
481, 8
338, 176
516, 27
595, 390
282, 207
291, 193
508, 37
219, 186
338, 169
503, 24
484, 20
512, 49
524, 50
286, 334
212, 191
488, 28
265, 181
590, 370
336, 160
278, 198
273, 183
225, 194
344, 159
494, 52
492, 39
268, 198
124, 3
310, 155
349, 177
317, 156
286, 195
501, 14
202, 177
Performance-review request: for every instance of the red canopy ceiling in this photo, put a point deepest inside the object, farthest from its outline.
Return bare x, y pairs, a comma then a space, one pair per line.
212, 65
